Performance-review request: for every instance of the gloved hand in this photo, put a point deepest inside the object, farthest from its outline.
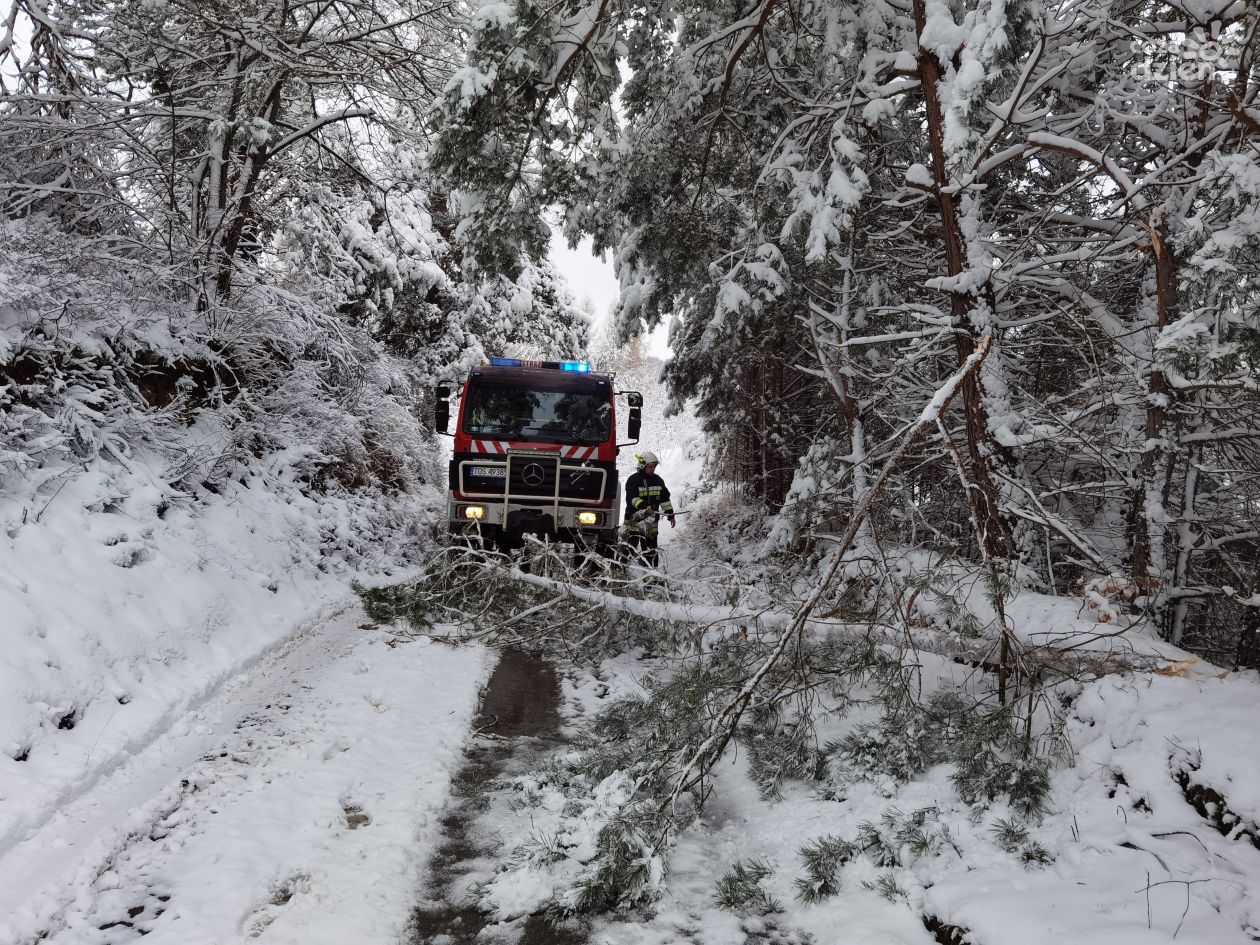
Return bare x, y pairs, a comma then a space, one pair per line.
673, 523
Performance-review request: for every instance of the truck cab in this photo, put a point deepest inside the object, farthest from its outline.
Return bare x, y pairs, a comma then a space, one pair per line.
535, 451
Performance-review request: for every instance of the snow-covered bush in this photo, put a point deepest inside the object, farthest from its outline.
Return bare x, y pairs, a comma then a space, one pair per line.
103, 356
740, 890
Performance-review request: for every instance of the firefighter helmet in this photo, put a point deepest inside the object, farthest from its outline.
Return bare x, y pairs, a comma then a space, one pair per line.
646, 458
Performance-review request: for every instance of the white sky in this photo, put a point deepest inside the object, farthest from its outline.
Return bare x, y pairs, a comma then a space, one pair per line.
588, 275
591, 277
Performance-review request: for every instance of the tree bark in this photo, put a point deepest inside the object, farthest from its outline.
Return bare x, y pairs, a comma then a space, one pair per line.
985, 501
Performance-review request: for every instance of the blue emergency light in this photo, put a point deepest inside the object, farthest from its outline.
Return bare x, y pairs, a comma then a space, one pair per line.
581, 367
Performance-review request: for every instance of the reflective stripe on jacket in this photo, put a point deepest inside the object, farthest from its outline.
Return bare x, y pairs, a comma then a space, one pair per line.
647, 494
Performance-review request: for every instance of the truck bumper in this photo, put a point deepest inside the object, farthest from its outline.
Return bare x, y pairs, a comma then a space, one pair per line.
514, 516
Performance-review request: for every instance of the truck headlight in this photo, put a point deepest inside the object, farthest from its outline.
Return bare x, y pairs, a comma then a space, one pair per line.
475, 512
588, 518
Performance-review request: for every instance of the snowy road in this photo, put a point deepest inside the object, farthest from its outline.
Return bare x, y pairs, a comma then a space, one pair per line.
297, 802
518, 722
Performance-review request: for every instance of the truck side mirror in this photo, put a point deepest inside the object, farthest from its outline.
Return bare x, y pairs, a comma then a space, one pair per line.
635, 418
442, 410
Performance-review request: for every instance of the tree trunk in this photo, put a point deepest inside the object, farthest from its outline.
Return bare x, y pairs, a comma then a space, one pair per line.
981, 448
1149, 565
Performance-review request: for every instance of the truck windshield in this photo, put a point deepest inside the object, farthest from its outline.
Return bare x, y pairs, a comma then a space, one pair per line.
541, 416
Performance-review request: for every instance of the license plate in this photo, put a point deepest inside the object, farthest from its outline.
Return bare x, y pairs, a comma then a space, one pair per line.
492, 472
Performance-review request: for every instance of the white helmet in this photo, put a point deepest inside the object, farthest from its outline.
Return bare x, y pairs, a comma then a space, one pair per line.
646, 458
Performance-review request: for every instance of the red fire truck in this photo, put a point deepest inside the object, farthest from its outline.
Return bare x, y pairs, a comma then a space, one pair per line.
536, 452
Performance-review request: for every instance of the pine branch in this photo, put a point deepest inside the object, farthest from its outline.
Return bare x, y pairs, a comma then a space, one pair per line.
711, 750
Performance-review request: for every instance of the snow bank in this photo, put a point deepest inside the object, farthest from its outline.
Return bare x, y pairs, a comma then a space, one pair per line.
122, 607
1133, 859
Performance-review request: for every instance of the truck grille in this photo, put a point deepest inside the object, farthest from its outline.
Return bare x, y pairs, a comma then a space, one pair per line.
581, 485
533, 477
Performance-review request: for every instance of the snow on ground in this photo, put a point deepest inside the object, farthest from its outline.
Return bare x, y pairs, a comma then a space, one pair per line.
297, 804
1131, 861
189, 709
123, 605
1149, 837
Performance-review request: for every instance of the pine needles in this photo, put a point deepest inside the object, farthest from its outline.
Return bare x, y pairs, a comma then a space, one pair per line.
740, 890
988, 750
822, 860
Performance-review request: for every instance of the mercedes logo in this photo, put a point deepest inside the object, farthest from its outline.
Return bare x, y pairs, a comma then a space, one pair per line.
533, 475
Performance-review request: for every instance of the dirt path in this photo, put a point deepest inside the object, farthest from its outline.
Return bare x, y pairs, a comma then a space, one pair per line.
518, 719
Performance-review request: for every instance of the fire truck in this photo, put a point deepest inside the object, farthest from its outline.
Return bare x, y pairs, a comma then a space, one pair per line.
535, 451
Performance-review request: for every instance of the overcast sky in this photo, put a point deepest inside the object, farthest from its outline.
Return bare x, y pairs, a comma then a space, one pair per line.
591, 277
588, 275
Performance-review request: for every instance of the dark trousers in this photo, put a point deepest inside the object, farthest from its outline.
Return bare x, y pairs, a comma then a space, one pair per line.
645, 545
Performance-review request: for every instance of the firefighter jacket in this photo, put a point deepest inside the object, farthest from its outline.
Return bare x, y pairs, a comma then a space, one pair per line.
646, 496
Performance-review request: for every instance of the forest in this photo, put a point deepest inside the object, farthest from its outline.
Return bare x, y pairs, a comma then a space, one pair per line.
862, 194
832, 205
962, 300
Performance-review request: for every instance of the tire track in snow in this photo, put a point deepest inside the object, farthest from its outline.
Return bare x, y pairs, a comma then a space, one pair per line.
28, 826
245, 815
518, 718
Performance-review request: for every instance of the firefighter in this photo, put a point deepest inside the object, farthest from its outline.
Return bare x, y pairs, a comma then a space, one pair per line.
647, 499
